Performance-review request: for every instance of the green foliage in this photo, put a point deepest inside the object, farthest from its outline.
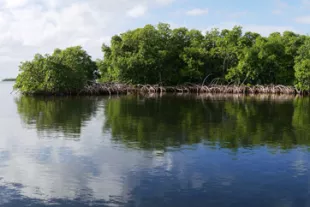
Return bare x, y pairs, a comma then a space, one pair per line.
155, 55
175, 56
161, 55
65, 71
267, 60
302, 67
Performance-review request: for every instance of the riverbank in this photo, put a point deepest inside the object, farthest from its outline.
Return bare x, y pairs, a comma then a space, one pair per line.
117, 88
97, 89
123, 89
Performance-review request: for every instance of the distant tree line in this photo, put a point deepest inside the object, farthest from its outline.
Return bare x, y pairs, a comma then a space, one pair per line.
161, 55
9, 79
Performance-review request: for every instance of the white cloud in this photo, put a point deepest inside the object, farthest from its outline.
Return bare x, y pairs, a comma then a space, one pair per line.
15, 3
197, 12
303, 19
137, 11
36, 26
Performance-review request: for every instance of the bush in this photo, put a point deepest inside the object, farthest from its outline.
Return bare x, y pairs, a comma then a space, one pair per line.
302, 67
65, 71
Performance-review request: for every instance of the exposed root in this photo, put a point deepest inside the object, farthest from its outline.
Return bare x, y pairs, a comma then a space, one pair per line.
117, 88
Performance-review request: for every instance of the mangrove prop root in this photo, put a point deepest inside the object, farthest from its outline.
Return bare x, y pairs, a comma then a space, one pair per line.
213, 88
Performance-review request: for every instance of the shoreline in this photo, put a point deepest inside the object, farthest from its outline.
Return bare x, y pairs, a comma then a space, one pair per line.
98, 89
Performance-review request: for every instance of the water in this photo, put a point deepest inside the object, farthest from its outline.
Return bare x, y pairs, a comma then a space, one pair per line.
154, 151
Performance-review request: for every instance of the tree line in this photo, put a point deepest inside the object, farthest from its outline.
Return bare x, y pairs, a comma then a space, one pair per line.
162, 55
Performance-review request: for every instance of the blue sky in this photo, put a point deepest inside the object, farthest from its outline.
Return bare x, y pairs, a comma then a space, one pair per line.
263, 16
38, 26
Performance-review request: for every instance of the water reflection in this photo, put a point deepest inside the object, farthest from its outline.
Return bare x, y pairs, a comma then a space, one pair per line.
230, 122
156, 151
55, 117
171, 121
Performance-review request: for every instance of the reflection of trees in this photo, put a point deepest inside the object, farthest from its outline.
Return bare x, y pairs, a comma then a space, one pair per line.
301, 120
254, 122
54, 115
153, 123
232, 123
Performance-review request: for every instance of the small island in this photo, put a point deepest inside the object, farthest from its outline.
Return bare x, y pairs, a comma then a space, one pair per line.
9, 80
156, 59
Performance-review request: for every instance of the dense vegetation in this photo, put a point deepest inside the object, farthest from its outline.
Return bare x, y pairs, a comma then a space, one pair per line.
161, 55
152, 55
65, 71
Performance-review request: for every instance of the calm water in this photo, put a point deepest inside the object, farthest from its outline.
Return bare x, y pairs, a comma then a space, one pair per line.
154, 151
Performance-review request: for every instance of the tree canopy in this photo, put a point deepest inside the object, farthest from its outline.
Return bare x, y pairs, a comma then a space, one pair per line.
162, 55
159, 54
65, 71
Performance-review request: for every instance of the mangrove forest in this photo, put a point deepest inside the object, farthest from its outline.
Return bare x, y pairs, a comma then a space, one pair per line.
163, 57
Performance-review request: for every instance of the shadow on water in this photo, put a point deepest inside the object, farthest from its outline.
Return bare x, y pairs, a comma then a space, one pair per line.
53, 116
278, 122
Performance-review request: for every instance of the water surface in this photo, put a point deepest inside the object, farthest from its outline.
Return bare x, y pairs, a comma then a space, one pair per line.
154, 151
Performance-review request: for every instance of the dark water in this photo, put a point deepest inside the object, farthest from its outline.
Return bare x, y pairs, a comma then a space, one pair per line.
154, 151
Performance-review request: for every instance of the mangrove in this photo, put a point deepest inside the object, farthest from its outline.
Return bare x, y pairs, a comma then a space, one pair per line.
161, 59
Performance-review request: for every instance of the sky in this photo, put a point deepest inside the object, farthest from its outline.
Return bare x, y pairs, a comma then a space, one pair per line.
28, 27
